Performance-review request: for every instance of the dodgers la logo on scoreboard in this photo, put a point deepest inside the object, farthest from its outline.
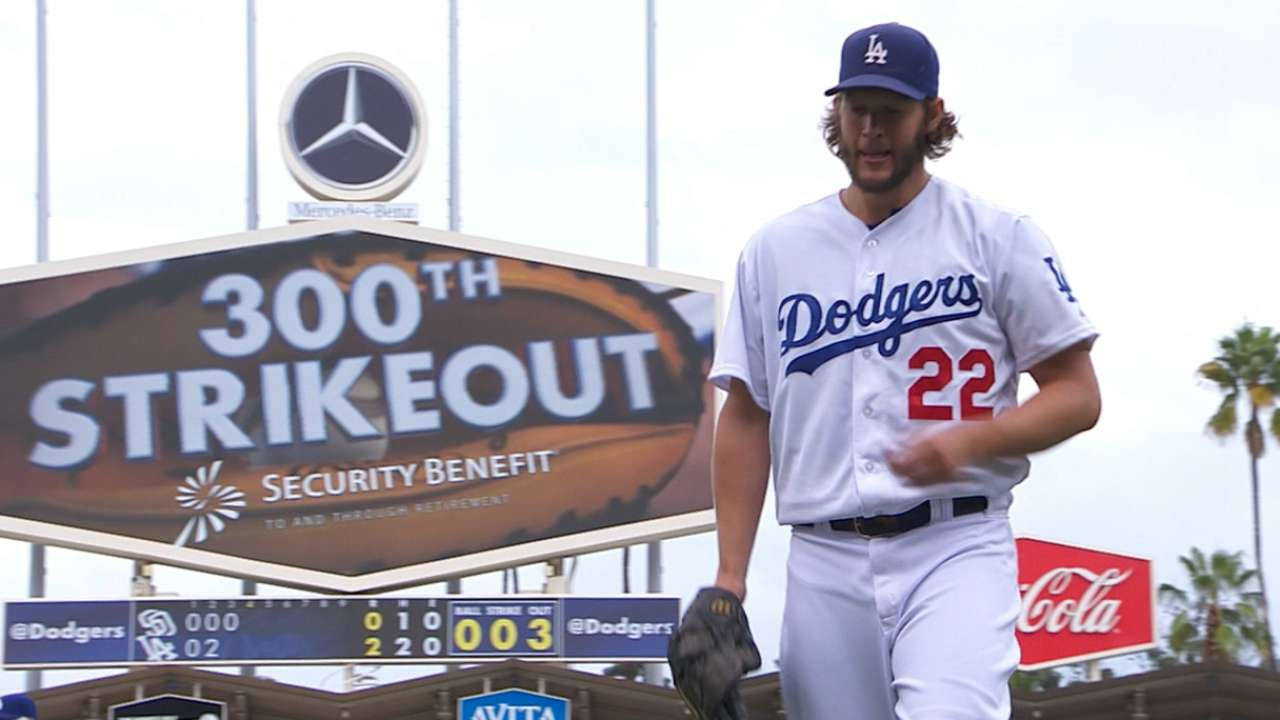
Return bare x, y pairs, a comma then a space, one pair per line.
513, 705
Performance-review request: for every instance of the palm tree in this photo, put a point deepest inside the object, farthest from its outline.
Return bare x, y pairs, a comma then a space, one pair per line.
1030, 681
1248, 367
1161, 659
625, 671
1216, 621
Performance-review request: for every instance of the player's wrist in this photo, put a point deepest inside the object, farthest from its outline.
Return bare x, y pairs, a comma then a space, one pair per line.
733, 582
974, 444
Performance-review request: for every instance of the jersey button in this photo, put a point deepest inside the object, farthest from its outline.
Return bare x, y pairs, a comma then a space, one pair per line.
872, 243
866, 353
869, 466
868, 411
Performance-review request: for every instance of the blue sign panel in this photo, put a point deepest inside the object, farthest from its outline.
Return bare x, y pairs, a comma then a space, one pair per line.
40, 632
325, 630
513, 705
619, 628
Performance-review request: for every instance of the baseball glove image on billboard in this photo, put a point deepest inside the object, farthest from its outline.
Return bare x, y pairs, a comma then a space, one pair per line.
348, 402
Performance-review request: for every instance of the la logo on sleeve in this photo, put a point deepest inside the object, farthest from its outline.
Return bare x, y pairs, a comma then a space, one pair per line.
1062, 280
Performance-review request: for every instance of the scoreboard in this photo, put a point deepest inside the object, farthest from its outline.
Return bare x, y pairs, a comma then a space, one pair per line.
342, 629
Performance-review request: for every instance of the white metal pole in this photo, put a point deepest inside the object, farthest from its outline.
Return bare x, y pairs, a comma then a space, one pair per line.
651, 140
42, 137
37, 568
652, 671
249, 587
251, 164
455, 219
454, 585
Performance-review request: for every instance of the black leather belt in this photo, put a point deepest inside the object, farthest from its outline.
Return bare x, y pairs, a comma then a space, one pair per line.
918, 516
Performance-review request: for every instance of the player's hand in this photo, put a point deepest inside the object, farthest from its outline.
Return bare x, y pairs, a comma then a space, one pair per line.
934, 458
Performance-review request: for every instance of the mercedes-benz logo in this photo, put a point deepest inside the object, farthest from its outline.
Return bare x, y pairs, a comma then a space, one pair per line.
353, 128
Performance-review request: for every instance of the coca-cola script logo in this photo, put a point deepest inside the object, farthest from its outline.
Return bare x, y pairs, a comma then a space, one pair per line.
1080, 604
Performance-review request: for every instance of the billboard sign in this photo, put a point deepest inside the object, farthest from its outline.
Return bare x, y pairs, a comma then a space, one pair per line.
1082, 604
343, 629
169, 707
353, 405
513, 704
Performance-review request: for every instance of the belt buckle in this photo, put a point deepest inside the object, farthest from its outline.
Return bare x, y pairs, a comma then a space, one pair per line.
877, 526
873, 527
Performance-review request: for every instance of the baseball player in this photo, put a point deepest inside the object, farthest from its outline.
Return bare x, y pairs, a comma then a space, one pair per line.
871, 355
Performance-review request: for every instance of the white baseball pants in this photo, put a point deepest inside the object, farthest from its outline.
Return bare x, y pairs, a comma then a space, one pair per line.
919, 626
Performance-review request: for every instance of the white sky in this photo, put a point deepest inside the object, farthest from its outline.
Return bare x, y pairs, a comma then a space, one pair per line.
1140, 135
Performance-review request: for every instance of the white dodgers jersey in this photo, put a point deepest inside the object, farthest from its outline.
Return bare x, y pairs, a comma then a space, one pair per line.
855, 340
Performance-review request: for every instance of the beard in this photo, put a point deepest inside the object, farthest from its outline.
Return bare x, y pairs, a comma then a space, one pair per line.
904, 159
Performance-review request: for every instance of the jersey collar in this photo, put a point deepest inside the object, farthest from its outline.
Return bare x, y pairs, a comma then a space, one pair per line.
897, 217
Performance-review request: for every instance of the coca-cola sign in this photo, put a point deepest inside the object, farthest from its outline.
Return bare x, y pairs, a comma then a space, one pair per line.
1081, 604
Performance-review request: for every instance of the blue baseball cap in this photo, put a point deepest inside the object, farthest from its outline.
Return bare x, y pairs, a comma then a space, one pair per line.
890, 56
17, 706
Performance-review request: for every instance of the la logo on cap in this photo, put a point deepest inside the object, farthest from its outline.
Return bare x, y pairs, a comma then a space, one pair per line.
876, 52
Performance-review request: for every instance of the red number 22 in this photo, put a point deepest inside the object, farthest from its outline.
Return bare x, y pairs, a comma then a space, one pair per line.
918, 409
